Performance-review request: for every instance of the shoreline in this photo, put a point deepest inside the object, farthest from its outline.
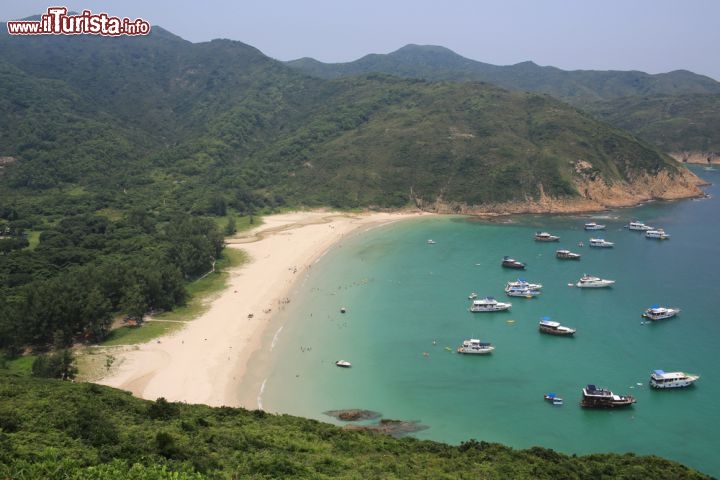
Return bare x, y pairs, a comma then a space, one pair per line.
206, 361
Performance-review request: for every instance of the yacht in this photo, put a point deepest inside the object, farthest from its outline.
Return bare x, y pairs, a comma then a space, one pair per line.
521, 292
474, 346
589, 281
638, 226
512, 263
546, 237
343, 364
661, 379
522, 283
600, 242
594, 397
656, 312
567, 255
554, 328
594, 226
657, 233
488, 304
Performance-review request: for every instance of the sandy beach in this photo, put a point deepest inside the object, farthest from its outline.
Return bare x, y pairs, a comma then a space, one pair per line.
205, 362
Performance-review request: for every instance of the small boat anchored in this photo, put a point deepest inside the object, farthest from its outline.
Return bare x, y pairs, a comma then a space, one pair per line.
546, 237
658, 234
554, 328
594, 397
488, 304
527, 292
638, 226
656, 312
661, 379
601, 243
563, 254
474, 346
553, 398
343, 364
512, 263
594, 226
589, 281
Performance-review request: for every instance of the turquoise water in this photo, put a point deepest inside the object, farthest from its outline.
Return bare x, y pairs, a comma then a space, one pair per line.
407, 301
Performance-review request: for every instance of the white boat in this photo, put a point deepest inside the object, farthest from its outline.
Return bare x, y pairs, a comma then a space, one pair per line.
343, 364
657, 233
638, 226
546, 237
600, 242
472, 296
589, 281
474, 346
522, 283
431, 241
489, 304
567, 255
521, 292
661, 379
554, 328
656, 312
594, 226
553, 398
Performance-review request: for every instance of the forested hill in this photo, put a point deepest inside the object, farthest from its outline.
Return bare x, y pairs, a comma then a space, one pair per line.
579, 86
158, 119
54, 429
675, 111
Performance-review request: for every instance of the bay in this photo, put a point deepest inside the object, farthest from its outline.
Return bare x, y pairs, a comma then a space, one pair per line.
407, 310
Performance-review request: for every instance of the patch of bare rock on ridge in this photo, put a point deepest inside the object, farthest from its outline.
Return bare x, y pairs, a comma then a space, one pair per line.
595, 194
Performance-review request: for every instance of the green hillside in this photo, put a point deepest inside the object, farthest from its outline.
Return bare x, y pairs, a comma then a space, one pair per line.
52, 429
674, 111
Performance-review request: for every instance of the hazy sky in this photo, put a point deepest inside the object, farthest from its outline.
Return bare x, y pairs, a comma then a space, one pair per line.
653, 36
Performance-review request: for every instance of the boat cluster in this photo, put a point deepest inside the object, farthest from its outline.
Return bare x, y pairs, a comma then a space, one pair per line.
592, 396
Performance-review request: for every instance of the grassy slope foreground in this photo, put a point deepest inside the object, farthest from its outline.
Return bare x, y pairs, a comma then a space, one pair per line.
52, 429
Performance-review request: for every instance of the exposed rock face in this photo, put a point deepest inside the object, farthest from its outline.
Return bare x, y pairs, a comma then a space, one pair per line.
696, 157
595, 195
6, 161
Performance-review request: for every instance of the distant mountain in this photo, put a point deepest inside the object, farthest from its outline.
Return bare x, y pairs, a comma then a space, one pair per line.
586, 89
580, 86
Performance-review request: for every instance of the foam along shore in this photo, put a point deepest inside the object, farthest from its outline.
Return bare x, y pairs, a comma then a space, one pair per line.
205, 362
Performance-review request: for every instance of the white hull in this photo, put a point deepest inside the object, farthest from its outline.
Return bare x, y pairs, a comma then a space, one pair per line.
661, 380
497, 308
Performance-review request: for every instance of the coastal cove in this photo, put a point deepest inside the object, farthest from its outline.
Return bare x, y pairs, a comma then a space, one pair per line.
407, 310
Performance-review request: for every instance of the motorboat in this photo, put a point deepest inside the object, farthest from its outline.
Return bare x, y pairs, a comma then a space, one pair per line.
554, 328
546, 237
601, 242
656, 312
662, 379
589, 281
638, 226
512, 263
522, 283
488, 304
521, 292
567, 255
472, 296
594, 397
343, 364
594, 226
474, 346
658, 234
431, 241
553, 398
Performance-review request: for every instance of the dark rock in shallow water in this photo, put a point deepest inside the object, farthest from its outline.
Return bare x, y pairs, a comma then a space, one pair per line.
353, 414
394, 428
